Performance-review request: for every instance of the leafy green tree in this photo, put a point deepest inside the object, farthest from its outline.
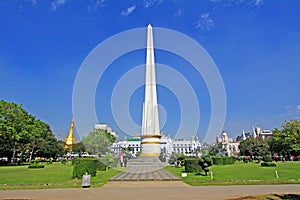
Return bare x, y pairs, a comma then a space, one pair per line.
287, 140
22, 133
98, 142
14, 128
292, 130
254, 147
79, 148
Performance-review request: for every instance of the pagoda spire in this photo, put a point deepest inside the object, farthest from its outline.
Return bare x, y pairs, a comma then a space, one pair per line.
70, 139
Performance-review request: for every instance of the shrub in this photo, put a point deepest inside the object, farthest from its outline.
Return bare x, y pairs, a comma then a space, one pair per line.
267, 159
49, 161
63, 161
101, 164
228, 160
208, 160
83, 166
192, 165
268, 164
35, 166
217, 160
246, 160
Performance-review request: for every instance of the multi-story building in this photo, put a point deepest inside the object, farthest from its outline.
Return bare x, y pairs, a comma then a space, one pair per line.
229, 147
168, 146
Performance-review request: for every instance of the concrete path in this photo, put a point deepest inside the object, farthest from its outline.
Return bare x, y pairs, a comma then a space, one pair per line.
152, 190
145, 173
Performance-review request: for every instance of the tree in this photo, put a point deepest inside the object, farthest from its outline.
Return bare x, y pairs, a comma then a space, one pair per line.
287, 140
78, 148
254, 147
21, 132
292, 130
14, 128
98, 142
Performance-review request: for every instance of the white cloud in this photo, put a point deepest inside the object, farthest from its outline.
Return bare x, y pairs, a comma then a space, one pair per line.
205, 23
56, 3
298, 107
149, 3
96, 5
178, 13
128, 11
258, 2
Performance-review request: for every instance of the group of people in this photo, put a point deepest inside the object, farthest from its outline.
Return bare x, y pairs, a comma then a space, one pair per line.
123, 161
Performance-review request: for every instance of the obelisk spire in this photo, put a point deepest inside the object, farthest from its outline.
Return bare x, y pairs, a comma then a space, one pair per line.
150, 124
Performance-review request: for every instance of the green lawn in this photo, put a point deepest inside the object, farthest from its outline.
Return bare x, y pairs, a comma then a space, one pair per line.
55, 175
242, 173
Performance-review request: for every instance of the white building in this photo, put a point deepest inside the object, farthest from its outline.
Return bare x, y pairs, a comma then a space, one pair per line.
229, 147
105, 127
168, 146
186, 147
131, 144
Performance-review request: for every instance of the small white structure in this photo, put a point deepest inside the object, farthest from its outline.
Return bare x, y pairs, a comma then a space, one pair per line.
105, 127
229, 147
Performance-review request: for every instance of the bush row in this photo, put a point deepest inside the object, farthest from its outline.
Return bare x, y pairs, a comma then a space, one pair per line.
220, 160
91, 165
268, 164
197, 164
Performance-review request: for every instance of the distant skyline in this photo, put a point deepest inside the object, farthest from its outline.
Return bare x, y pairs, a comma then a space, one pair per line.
254, 44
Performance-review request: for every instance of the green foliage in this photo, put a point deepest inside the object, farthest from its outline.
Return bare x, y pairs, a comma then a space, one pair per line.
35, 166
267, 159
98, 142
222, 160
247, 159
84, 166
198, 164
228, 160
64, 161
287, 140
254, 147
268, 164
217, 160
138, 153
22, 133
192, 165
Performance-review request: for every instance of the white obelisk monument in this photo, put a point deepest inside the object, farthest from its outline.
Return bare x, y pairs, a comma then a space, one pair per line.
150, 124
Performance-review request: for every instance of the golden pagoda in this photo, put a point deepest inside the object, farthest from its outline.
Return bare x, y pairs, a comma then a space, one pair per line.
70, 139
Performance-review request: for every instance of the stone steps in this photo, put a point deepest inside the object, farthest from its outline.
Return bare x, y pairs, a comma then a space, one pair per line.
145, 173
146, 161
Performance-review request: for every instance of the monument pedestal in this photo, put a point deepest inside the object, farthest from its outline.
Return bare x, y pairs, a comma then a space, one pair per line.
150, 145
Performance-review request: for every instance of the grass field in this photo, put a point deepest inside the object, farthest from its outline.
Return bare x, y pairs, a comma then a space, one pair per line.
242, 173
55, 175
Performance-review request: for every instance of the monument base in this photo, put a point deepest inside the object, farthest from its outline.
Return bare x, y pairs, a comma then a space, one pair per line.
150, 145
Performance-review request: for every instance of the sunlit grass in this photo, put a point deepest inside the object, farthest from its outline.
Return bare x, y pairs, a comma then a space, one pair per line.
243, 173
55, 175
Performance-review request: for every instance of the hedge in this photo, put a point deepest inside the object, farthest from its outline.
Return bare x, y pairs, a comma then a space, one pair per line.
267, 159
35, 166
191, 165
84, 166
218, 160
268, 164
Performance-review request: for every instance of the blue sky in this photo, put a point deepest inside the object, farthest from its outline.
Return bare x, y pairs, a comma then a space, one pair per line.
254, 43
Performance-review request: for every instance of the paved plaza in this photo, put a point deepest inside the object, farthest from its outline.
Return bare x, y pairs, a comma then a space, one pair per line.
149, 190
148, 182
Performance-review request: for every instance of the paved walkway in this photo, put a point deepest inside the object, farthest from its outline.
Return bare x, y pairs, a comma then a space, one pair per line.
149, 190
145, 173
